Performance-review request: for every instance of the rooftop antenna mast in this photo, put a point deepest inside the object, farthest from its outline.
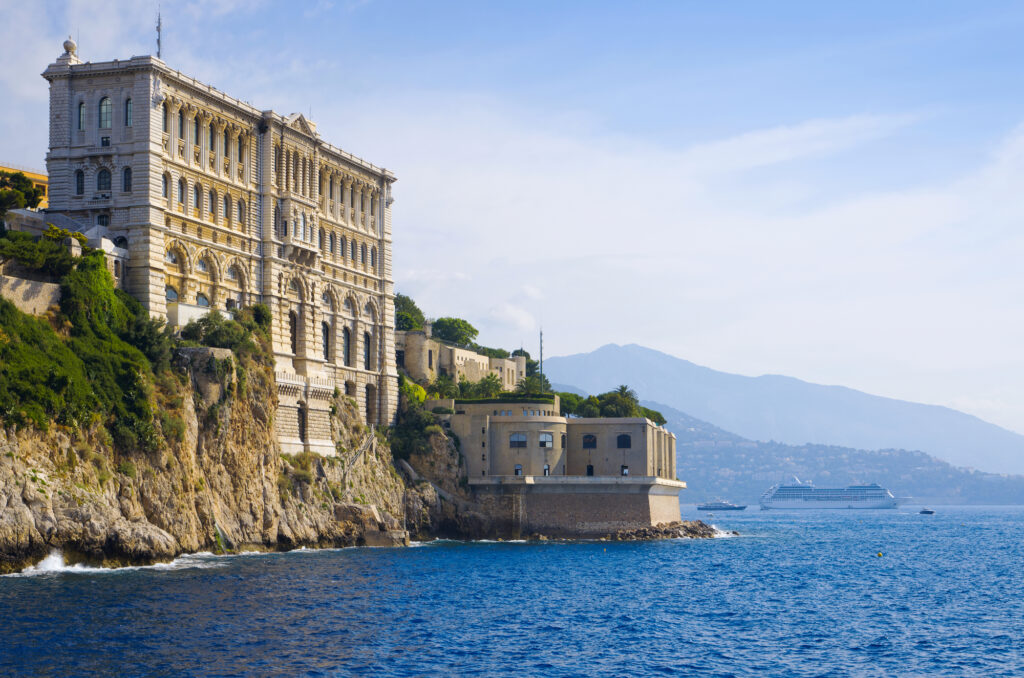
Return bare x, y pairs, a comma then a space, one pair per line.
542, 351
159, 29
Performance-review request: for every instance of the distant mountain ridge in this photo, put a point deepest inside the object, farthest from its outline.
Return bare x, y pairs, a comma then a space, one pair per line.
788, 410
718, 464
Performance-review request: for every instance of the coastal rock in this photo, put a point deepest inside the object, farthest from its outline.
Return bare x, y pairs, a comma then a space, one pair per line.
686, 529
223, 484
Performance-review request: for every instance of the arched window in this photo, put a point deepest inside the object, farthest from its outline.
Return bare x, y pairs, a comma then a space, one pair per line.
623, 441
373, 258
164, 187
103, 180
227, 146
202, 300
81, 115
196, 132
126, 180
563, 441
202, 266
293, 331
327, 302
546, 440
366, 350
232, 273
321, 240
171, 257
181, 191
197, 197
518, 470
352, 251
362, 254
181, 124
105, 111
213, 206
213, 137
325, 331
171, 293
301, 413
590, 469
241, 213
120, 241
341, 247
79, 182
346, 346
167, 119
227, 210
547, 469
331, 243
127, 112
241, 149
589, 442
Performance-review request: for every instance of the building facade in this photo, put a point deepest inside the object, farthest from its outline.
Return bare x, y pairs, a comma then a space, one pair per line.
217, 204
423, 358
535, 471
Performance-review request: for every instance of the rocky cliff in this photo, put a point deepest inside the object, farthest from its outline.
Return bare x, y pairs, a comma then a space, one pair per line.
220, 483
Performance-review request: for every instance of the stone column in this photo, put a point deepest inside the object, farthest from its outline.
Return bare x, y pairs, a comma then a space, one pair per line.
346, 200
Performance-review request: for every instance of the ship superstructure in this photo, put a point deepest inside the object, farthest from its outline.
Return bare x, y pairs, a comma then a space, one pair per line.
803, 495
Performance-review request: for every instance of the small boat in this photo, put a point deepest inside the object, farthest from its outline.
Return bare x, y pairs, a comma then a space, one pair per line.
720, 506
927, 512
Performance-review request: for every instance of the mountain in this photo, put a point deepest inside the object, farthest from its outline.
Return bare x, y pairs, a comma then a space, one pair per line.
792, 411
715, 463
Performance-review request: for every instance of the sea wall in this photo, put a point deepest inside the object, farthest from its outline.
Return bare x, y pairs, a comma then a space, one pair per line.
577, 506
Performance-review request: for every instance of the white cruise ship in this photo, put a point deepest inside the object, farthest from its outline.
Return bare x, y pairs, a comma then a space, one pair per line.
798, 495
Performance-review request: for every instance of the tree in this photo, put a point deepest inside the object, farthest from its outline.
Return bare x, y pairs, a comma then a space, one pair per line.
570, 403
535, 384
627, 393
444, 387
17, 191
454, 330
489, 386
408, 315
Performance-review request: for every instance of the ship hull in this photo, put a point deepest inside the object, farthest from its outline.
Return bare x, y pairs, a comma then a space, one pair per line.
818, 504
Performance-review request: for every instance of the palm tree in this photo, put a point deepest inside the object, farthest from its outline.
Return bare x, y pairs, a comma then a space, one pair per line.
627, 393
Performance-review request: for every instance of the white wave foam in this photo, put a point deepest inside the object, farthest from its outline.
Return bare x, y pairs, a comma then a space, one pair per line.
54, 563
722, 534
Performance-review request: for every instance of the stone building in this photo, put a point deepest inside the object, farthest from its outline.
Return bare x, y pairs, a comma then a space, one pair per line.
217, 204
423, 358
537, 471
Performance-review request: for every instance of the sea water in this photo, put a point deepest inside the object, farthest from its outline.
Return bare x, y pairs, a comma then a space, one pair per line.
840, 593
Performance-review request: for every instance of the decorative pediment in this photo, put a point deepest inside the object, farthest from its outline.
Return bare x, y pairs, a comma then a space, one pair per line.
298, 122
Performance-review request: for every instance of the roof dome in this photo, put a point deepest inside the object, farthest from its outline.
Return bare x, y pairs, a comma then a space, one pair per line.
69, 46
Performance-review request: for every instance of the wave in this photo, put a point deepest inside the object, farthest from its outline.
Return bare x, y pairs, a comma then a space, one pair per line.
55, 563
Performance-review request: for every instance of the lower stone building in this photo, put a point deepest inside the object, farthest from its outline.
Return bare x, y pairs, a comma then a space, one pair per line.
424, 357
537, 471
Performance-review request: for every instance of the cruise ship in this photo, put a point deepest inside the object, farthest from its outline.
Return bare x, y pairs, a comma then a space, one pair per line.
798, 495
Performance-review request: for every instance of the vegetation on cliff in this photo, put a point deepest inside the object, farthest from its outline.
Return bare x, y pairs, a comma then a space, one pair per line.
17, 191
622, 402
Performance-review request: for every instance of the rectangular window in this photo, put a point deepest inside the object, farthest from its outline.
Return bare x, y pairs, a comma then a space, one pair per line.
104, 141
589, 441
625, 470
547, 440
517, 440
547, 469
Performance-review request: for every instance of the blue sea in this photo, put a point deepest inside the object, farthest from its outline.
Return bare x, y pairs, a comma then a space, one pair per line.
844, 593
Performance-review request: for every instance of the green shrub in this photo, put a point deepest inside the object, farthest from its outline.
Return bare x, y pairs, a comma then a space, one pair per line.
172, 426
127, 468
433, 430
303, 475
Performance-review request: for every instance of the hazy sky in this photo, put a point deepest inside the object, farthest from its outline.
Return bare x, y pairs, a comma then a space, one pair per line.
832, 193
